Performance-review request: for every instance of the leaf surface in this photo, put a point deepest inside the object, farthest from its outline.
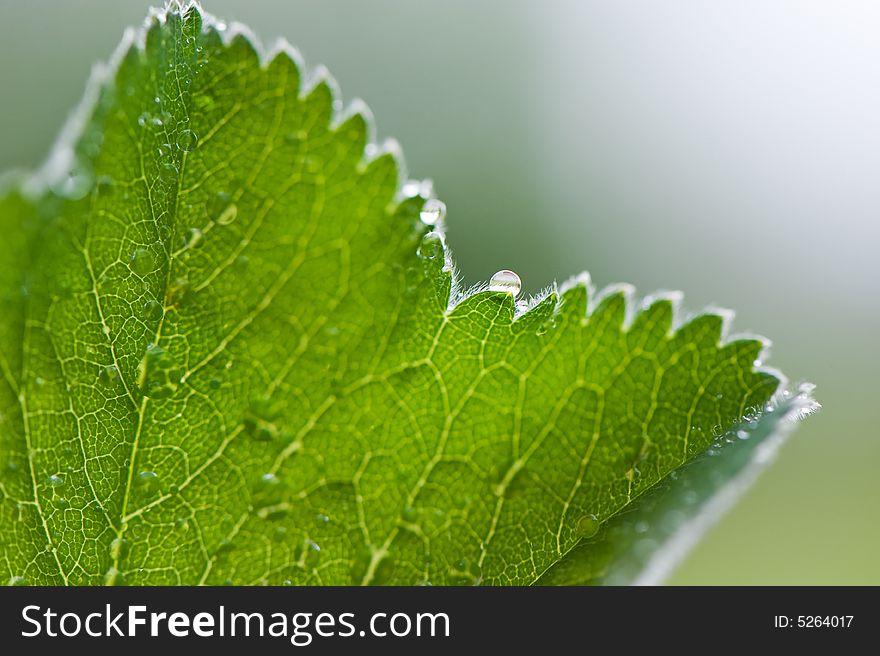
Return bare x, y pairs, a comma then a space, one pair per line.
232, 352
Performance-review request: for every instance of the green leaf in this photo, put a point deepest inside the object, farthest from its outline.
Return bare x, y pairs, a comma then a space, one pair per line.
643, 543
233, 351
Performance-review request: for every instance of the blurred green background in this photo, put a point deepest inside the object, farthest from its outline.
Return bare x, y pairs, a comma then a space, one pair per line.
729, 149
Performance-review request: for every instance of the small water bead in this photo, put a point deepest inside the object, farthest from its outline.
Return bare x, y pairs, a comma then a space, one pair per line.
409, 514
147, 480
193, 237
142, 262
505, 281
55, 481
587, 526
156, 375
431, 246
153, 310
164, 151
168, 173
108, 374
433, 211
187, 141
118, 548
17, 580
114, 577
221, 209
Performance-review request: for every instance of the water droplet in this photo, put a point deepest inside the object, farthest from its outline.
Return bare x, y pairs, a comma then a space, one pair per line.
193, 237
153, 310
147, 481
743, 435
114, 577
62, 503
17, 580
587, 526
157, 376
641, 527
144, 118
108, 374
142, 262
431, 246
322, 519
433, 211
164, 151
221, 209
409, 514
505, 281
118, 549
187, 140
168, 173
54, 480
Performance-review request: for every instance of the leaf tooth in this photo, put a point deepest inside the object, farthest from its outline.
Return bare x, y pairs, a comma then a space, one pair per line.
613, 305
284, 65
702, 329
654, 319
354, 127
241, 47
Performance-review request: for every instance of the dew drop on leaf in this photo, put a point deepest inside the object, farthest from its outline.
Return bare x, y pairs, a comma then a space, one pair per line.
433, 211
142, 262
147, 481
168, 173
431, 246
193, 237
114, 577
153, 310
118, 548
108, 374
505, 281
587, 526
54, 481
156, 375
187, 140
221, 209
